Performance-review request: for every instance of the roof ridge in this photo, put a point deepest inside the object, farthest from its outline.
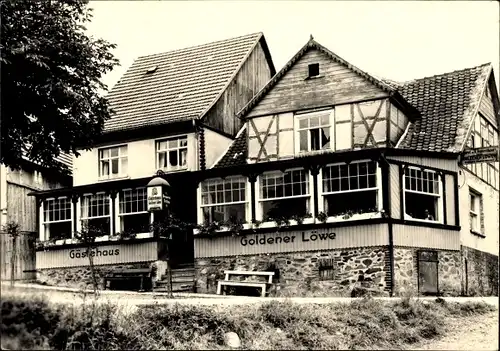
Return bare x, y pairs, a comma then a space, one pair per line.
445, 73
199, 45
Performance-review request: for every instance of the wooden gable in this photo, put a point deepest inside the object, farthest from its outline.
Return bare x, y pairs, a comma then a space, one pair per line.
336, 84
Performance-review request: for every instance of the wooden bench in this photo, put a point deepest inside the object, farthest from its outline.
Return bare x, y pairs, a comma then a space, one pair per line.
261, 285
144, 275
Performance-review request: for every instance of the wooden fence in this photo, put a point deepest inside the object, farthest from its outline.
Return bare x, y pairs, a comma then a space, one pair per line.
25, 256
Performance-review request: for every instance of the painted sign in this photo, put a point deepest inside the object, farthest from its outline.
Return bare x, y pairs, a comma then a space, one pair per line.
155, 198
482, 154
270, 240
292, 241
103, 255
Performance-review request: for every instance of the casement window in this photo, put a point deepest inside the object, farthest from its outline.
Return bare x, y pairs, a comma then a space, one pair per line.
57, 218
423, 194
133, 211
171, 153
95, 212
350, 188
113, 162
475, 212
313, 131
224, 200
284, 194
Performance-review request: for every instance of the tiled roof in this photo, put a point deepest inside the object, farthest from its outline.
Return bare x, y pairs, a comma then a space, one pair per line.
236, 154
181, 84
447, 103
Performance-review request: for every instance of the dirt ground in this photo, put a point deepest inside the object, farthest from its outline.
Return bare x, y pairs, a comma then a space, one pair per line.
474, 333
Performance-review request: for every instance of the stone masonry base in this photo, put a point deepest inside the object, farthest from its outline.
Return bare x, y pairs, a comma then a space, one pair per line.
327, 273
480, 276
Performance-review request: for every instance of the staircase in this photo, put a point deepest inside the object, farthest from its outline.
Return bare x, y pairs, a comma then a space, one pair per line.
182, 279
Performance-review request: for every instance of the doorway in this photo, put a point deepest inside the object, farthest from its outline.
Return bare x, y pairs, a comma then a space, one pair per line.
428, 272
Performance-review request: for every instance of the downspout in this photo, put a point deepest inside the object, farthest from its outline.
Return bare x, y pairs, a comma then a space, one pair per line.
200, 132
386, 190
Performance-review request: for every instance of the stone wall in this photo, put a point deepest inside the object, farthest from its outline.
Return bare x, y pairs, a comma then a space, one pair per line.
406, 271
298, 274
81, 277
480, 273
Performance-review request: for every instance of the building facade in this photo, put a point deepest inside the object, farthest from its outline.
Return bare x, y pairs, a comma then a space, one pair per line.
322, 173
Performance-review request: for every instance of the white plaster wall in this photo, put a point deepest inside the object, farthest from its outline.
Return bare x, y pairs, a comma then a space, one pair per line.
215, 146
490, 196
141, 160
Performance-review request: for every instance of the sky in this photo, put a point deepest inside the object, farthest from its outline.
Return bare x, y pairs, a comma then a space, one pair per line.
399, 40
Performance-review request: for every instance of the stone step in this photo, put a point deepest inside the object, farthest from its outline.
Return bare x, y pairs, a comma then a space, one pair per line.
181, 270
176, 286
164, 278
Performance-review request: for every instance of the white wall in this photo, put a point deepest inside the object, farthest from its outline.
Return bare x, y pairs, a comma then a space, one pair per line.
215, 145
490, 196
141, 160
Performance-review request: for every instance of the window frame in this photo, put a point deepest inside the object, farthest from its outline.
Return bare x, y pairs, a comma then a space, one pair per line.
120, 159
476, 198
322, 193
309, 69
440, 209
307, 115
120, 215
167, 150
81, 206
259, 200
246, 202
44, 222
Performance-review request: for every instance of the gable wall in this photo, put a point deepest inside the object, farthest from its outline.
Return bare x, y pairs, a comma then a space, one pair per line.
253, 75
337, 85
486, 108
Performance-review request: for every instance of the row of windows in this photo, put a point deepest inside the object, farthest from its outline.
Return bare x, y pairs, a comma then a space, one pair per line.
171, 155
95, 211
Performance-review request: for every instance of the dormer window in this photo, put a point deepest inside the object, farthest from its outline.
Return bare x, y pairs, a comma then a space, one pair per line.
313, 70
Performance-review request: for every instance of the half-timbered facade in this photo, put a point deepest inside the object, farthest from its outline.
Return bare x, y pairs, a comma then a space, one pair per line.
338, 174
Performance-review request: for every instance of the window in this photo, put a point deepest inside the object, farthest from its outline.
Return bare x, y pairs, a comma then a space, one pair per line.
313, 132
224, 200
95, 212
57, 218
172, 153
113, 162
283, 195
422, 194
326, 270
475, 211
133, 211
313, 70
350, 188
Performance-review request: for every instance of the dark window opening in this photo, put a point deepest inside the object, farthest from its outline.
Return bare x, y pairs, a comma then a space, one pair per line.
326, 270
351, 203
100, 225
284, 208
421, 206
138, 223
59, 230
314, 70
233, 213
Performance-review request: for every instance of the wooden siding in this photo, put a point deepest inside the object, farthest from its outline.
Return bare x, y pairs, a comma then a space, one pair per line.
127, 253
415, 236
337, 84
395, 193
252, 77
450, 199
439, 163
354, 236
24, 265
21, 208
487, 110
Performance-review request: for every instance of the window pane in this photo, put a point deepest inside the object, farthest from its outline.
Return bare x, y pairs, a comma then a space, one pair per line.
355, 202
325, 120
315, 142
123, 150
113, 152
114, 166
172, 158
173, 143
104, 168
303, 140
124, 165
303, 123
325, 138
183, 158
104, 153
314, 122
183, 141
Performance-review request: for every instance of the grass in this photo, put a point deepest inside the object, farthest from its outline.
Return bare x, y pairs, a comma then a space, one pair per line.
363, 324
